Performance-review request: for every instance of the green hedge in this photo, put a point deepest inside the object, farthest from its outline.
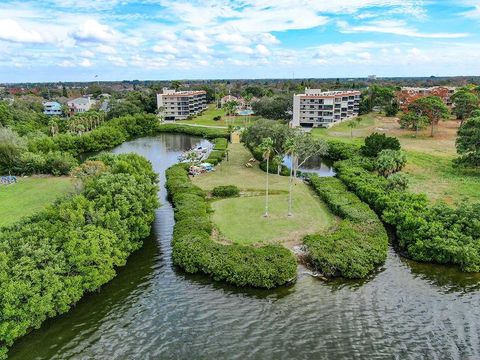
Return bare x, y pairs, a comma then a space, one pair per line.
355, 246
206, 132
49, 261
220, 144
219, 151
432, 233
225, 191
196, 252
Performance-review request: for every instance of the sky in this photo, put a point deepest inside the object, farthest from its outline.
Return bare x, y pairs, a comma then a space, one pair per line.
76, 40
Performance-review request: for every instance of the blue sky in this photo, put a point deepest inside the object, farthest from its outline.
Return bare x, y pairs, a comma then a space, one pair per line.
72, 40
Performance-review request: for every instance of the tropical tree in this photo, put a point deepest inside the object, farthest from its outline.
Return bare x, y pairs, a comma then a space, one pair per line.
230, 107
352, 125
267, 149
468, 142
432, 107
301, 147
413, 121
176, 84
390, 161
464, 103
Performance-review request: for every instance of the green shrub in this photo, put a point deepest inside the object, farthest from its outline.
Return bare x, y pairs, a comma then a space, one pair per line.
338, 150
225, 191
208, 133
195, 251
427, 233
58, 163
355, 246
398, 182
220, 144
376, 142
217, 118
390, 161
49, 261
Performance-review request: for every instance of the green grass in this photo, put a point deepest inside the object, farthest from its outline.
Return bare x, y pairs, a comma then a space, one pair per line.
435, 176
236, 217
206, 118
30, 195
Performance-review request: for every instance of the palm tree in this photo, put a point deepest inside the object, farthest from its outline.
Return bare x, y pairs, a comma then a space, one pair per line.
267, 148
290, 149
352, 125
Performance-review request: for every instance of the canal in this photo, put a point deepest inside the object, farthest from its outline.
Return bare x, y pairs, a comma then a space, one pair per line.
153, 311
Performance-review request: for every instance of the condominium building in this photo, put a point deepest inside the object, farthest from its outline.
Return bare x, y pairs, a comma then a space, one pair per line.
316, 108
179, 105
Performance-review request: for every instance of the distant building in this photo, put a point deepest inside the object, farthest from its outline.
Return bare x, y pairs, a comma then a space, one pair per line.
80, 105
372, 77
229, 98
52, 108
406, 94
315, 108
179, 105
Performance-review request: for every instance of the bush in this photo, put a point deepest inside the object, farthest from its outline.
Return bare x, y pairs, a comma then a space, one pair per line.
338, 150
376, 142
397, 182
427, 233
355, 246
390, 161
58, 163
220, 144
195, 251
217, 118
49, 261
225, 191
208, 133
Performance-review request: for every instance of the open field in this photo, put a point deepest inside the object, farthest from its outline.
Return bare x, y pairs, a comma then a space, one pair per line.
206, 118
240, 220
30, 195
429, 159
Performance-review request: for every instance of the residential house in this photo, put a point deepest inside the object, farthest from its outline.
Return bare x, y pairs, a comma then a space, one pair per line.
81, 104
52, 108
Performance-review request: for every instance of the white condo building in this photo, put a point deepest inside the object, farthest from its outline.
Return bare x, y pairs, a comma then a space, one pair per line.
179, 105
323, 109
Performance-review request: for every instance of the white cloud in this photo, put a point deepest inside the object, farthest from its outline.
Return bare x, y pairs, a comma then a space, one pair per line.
240, 49
262, 50
11, 30
92, 31
165, 49
233, 38
395, 27
85, 63
87, 54
105, 49
267, 38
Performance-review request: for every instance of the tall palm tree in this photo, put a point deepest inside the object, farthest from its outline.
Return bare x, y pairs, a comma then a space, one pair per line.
290, 149
267, 148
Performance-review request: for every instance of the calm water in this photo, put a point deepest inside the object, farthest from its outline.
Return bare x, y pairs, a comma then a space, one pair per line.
314, 165
152, 311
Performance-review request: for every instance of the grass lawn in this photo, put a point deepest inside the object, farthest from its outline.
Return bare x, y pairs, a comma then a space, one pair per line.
206, 118
240, 220
429, 159
30, 195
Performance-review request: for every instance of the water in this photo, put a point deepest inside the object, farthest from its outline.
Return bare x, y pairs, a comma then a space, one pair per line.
316, 165
153, 311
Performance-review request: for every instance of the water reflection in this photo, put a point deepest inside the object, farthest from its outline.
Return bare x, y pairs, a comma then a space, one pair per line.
316, 164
